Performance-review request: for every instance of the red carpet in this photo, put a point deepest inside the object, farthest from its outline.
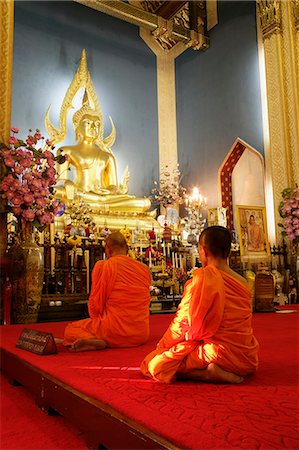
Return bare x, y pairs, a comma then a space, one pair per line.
24, 426
261, 413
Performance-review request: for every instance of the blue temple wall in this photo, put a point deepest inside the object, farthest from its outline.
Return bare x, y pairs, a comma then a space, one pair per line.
218, 97
48, 40
218, 92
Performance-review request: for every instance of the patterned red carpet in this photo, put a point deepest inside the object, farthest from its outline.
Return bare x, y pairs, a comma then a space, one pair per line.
261, 413
24, 426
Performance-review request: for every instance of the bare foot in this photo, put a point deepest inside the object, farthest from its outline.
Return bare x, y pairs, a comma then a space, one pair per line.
58, 340
86, 345
212, 374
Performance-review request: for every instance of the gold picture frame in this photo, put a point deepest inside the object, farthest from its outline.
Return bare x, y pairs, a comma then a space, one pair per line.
252, 232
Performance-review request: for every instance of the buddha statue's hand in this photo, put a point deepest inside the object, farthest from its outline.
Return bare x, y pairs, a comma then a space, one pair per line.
124, 185
66, 189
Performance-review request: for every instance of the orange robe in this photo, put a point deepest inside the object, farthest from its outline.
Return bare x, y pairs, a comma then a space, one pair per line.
212, 324
118, 304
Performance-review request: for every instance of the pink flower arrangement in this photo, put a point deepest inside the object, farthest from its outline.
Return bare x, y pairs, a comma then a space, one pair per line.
28, 179
289, 211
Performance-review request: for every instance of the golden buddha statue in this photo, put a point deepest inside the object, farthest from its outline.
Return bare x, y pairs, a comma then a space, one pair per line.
95, 169
90, 172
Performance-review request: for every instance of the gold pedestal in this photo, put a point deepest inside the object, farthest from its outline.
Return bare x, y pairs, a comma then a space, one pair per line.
115, 220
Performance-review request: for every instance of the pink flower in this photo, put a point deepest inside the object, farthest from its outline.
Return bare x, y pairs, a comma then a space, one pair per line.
9, 195
26, 176
46, 218
5, 151
12, 140
16, 185
37, 183
30, 141
18, 170
16, 200
26, 162
28, 198
48, 155
287, 208
41, 202
17, 210
30, 175
28, 215
9, 162
51, 172
4, 186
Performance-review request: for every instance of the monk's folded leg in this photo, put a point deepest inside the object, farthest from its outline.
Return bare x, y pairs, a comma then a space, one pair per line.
85, 345
81, 330
211, 374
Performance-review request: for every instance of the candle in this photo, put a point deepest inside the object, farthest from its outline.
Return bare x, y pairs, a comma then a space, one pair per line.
163, 266
176, 260
181, 262
172, 257
150, 259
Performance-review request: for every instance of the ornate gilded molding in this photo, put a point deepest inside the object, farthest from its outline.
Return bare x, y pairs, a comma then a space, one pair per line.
295, 8
281, 68
270, 17
168, 32
6, 58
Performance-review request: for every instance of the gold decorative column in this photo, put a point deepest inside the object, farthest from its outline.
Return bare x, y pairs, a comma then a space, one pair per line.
6, 49
279, 25
6, 55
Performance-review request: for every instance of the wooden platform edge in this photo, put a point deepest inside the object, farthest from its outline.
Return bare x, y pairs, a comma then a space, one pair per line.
102, 425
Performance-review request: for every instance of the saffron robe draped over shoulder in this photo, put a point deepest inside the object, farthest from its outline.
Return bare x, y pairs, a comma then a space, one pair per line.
118, 304
212, 325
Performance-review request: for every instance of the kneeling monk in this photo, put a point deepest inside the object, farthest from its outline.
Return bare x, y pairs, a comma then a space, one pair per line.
118, 304
210, 338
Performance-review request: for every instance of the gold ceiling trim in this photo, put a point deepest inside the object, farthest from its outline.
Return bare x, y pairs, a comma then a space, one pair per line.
144, 19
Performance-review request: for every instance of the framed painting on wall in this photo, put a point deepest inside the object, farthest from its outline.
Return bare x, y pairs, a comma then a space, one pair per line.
252, 231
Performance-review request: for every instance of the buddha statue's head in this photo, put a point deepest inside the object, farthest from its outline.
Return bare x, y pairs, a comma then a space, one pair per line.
88, 128
87, 123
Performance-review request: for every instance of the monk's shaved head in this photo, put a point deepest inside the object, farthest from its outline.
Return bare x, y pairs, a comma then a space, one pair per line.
217, 240
116, 242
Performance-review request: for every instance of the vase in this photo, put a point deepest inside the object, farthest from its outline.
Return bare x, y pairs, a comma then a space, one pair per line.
27, 262
3, 234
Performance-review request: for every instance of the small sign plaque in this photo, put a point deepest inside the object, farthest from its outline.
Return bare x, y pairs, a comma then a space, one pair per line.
35, 341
